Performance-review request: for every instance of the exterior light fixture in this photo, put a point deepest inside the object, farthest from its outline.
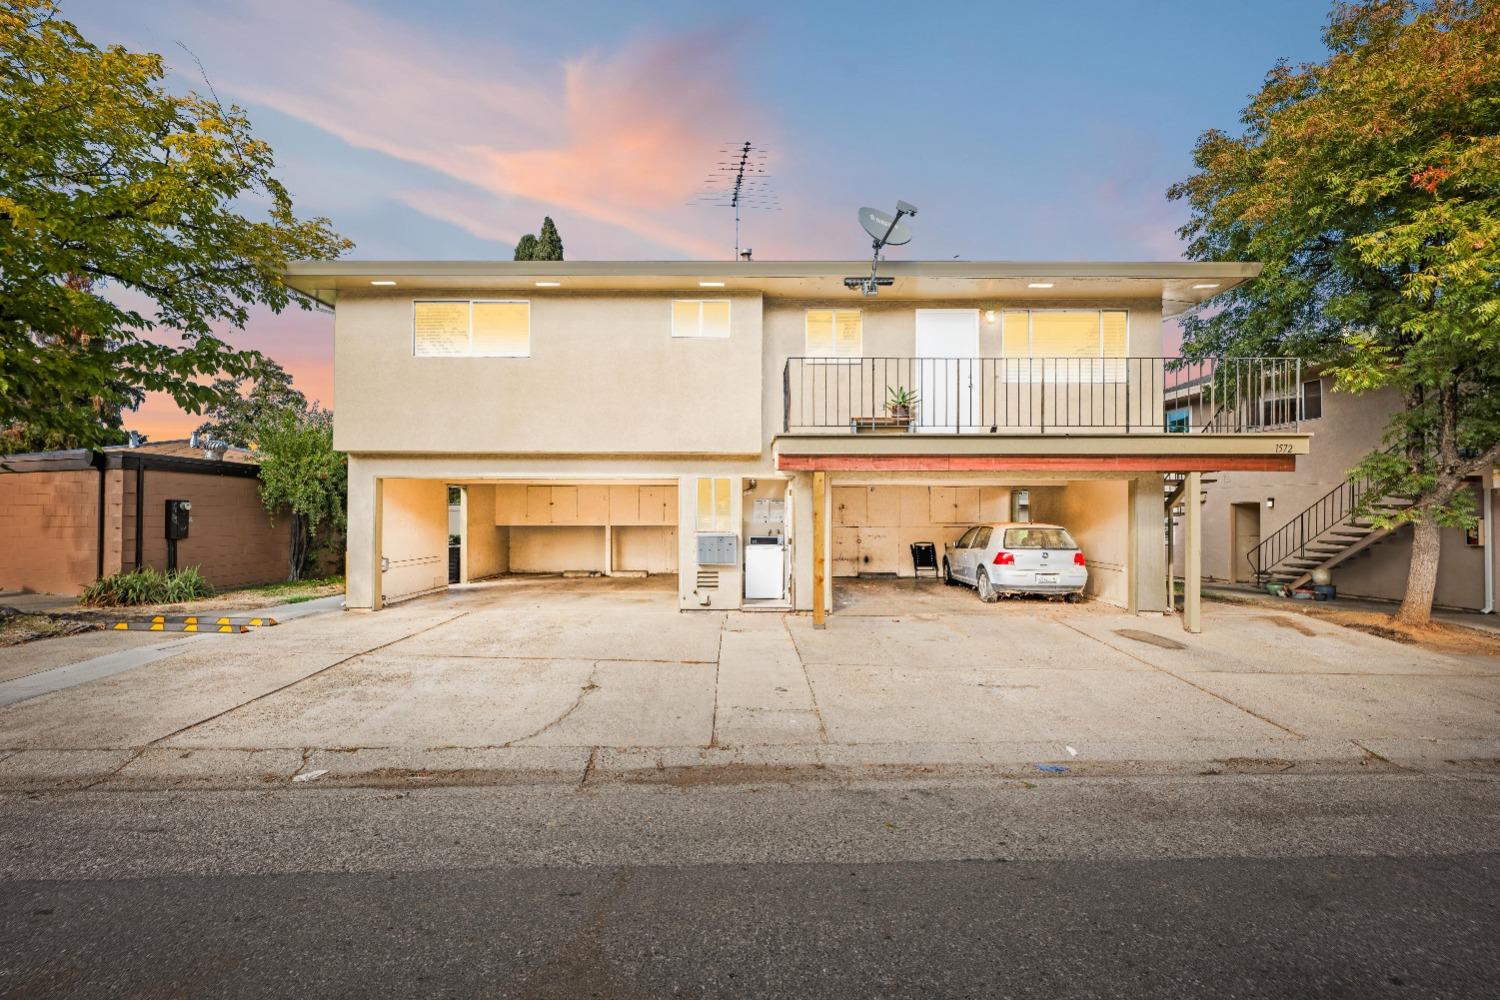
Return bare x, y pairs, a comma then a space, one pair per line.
1270, 502
382, 282
710, 284
1205, 286
989, 315
1040, 284
548, 284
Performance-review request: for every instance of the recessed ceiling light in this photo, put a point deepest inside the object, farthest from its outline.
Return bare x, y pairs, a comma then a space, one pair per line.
1040, 284
1207, 285
549, 284
710, 284
382, 282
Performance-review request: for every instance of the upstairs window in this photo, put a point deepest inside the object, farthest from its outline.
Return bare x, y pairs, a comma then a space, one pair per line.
835, 333
700, 318
1064, 333
1312, 399
471, 328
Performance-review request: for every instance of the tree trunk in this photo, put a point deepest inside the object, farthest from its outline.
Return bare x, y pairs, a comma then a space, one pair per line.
1421, 578
298, 554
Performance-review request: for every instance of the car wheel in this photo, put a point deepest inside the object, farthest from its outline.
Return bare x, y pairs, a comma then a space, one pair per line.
948, 573
987, 592
1075, 598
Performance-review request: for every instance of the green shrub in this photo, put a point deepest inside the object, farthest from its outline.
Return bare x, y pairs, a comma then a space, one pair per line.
147, 586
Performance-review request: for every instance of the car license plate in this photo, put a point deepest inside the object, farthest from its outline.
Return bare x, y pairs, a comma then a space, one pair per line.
1047, 579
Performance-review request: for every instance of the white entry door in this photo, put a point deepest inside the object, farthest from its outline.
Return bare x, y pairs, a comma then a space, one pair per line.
948, 370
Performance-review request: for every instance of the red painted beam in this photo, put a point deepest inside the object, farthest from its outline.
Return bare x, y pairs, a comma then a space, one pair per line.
1037, 463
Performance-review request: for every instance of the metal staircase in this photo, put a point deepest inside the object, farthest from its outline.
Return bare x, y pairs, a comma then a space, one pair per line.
1322, 536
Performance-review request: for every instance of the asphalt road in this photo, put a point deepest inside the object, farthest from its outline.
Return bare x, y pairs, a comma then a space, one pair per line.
1337, 886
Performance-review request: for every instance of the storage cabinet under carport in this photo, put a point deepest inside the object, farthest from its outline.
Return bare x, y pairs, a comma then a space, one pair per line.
589, 527
875, 526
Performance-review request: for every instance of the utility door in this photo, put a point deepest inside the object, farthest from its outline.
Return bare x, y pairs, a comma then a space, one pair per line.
948, 370
1246, 528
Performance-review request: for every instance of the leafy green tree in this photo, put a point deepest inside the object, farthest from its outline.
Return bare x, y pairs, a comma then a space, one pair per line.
302, 474
549, 245
245, 403
125, 238
526, 247
1369, 185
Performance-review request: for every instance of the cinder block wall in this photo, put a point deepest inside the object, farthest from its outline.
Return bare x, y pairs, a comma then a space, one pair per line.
232, 540
49, 530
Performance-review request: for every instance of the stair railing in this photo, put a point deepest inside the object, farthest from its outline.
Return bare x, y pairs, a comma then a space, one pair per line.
1320, 516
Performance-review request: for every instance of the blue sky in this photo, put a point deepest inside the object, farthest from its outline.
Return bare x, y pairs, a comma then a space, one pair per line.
444, 130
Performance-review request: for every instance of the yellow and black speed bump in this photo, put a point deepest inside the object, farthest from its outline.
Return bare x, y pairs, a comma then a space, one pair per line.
159, 626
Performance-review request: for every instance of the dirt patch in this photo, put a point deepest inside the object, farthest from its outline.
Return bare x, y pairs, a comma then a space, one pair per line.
1284, 622
17, 627
1437, 636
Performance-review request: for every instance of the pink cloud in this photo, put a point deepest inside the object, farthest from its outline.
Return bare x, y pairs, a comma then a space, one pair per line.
618, 140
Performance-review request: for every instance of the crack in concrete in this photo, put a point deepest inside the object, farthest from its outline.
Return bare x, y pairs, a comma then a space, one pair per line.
1179, 677
807, 679
299, 680
589, 686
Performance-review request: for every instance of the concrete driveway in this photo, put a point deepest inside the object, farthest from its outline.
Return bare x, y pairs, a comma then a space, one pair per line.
587, 680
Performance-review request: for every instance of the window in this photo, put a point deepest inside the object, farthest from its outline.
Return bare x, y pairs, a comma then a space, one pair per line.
471, 328
713, 505
1180, 420
1312, 399
703, 318
1038, 538
1050, 340
835, 333
966, 539
982, 540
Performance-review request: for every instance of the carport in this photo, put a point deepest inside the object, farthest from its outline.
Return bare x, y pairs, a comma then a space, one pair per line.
583, 527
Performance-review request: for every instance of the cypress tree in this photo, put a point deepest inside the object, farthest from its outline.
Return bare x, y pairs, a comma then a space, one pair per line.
526, 248
549, 245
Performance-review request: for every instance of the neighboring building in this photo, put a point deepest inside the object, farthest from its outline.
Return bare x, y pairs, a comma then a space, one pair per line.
699, 418
1260, 527
70, 517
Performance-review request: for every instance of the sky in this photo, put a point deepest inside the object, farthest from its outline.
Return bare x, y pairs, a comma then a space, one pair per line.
445, 130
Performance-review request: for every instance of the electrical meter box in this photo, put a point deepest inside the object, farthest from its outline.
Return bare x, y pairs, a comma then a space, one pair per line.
179, 513
718, 550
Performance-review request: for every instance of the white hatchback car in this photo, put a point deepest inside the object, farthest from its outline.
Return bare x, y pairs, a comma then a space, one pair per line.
1015, 558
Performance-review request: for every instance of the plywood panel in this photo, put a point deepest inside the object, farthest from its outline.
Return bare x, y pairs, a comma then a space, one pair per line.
538, 505
877, 550
556, 549
915, 505
624, 504
884, 506
994, 503
564, 505
966, 504
593, 505
654, 505
942, 504
845, 551
510, 504
645, 549
849, 505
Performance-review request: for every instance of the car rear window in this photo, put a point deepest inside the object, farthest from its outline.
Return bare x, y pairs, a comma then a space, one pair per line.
1038, 538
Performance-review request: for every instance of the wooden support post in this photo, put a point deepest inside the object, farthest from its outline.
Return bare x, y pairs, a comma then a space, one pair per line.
1192, 556
820, 544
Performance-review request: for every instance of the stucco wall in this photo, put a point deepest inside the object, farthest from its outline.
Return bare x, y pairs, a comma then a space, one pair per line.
486, 545
49, 523
605, 375
1096, 515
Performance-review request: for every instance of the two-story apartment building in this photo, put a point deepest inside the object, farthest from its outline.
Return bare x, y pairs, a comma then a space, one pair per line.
697, 418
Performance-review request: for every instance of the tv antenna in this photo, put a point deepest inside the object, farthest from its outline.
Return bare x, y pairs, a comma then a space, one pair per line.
885, 230
739, 181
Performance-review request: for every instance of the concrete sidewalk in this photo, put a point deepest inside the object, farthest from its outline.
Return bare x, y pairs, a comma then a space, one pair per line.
594, 681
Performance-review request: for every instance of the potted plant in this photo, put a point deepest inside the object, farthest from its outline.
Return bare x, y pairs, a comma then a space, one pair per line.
900, 402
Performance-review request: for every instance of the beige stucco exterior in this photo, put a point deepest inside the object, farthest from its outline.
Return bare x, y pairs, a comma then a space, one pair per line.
610, 406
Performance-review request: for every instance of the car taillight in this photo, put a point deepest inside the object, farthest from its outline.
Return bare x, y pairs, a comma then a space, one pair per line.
1004, 559
1078, 559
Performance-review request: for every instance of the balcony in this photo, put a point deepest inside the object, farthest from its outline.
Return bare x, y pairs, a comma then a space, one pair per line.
1042, 395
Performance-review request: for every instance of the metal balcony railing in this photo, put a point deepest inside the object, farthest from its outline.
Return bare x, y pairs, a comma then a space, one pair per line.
1042, 395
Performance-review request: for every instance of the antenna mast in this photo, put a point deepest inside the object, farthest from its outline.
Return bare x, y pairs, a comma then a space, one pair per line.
739, 181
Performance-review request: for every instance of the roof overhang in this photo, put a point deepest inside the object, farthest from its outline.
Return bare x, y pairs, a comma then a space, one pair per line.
1178, 285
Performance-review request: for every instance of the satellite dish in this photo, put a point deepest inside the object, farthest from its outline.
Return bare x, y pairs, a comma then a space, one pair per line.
884, 228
